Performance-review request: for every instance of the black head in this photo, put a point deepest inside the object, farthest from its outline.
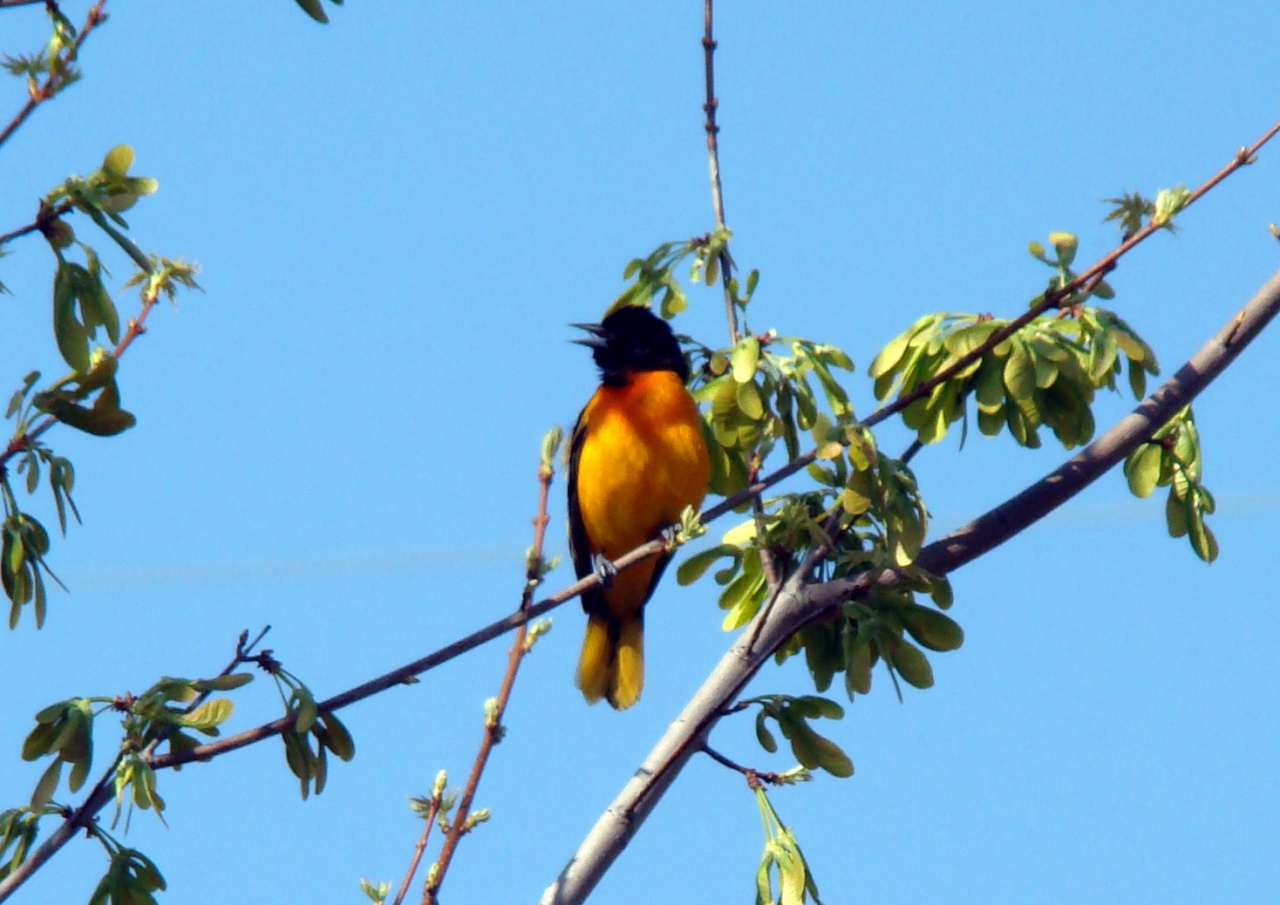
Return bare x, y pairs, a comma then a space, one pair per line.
633, 339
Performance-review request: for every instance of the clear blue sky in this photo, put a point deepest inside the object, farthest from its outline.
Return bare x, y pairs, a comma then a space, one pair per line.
398, 214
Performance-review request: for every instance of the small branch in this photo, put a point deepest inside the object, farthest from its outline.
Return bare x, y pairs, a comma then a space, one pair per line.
1053, 299
49, 87
754, 777
432, 810
102, 792
493, 718
798, 604
713, 161
44, 218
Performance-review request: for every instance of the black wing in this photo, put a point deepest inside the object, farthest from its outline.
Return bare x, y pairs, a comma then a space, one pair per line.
579, 544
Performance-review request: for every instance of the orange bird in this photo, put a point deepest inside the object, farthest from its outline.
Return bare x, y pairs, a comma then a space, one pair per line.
637, 458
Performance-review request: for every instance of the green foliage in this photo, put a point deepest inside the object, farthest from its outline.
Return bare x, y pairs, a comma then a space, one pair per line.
1172, 458
758, 397
51, 69
23, 545
792, 717
308, 762
83, 313
1132, 211
64, 730
1045, 373
782, 855
19, 828
131, 878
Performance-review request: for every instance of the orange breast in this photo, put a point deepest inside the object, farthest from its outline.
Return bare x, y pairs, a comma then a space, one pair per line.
642, 461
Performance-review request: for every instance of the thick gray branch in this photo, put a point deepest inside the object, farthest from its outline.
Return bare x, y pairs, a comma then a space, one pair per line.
798, 604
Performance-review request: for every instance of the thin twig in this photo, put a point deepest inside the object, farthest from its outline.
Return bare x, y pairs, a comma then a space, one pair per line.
800, 604
493, 718
754, 777
432, 810
102, 792
713, 162
50, 86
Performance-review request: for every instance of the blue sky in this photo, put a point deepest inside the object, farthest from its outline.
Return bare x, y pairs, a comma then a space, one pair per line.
398, 214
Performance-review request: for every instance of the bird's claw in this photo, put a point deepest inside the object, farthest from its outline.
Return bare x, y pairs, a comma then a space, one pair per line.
670, 536
604, 569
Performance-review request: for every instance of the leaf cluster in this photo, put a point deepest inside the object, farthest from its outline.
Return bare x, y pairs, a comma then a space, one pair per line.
52, 68
758, 396
19, 828
131, 879
88, 398
23, 546
307, 761
1171, 458
783, 857
792, 716
1044, 374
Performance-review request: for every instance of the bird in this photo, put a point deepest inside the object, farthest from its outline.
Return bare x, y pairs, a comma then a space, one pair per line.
637, 458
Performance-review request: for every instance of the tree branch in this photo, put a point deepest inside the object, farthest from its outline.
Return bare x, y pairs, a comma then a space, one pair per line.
493, 718
102, 792
49, 87
713, 160
798, 605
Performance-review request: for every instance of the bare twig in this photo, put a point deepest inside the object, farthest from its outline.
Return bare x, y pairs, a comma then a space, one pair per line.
432, 810
798, 604
713, 161
493, 716
754, 777
49, 87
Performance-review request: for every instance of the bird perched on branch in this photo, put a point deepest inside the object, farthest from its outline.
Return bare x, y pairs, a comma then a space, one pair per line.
636, 460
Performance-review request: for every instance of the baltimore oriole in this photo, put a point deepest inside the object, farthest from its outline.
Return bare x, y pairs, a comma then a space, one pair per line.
637, 458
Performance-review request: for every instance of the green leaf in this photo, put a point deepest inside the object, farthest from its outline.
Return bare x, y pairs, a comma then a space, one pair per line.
912, 665
1142, 469
118, 160
207, 716
934, 630
889, 356
744, 358
831, 758
693, 568
1065, 244
306, 709
315, 10
749, 401
1202, 539
337, 738
228, 682
47, 785
72, 339
764, 736
1019, 373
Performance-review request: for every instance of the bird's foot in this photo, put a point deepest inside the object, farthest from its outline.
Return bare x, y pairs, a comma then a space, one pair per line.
604, 569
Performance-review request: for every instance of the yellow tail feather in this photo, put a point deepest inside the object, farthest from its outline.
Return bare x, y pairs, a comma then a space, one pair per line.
611, 665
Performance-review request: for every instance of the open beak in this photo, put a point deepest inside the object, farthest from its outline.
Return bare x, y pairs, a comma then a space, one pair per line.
598, 338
